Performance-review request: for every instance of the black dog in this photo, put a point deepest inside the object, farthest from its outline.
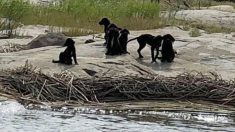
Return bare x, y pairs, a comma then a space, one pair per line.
105, 22
66, 56
113, 45
168, 52
107, 25
123, 38
154, 42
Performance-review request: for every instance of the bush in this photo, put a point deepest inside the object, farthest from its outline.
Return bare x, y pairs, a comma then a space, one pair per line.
85, 14
12, 11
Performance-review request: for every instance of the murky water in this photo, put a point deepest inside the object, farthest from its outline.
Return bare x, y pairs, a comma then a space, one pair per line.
14, 117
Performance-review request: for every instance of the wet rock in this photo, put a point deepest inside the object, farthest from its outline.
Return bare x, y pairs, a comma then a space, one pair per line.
89, 41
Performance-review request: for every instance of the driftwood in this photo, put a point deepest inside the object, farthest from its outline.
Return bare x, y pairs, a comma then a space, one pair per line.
26, 83
10, 47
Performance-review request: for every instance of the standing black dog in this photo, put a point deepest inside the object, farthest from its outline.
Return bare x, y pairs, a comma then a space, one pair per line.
107, 24
113, 45
66, 56
153, 41
168, 52
123, 38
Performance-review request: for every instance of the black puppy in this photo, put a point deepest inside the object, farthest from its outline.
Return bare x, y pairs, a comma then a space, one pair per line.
123, 38
168, 52
107, 25
154, 42
105, 22
113, 45
66, 56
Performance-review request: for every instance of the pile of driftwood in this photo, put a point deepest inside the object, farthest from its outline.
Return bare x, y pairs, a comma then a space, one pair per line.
30, 84
10, 47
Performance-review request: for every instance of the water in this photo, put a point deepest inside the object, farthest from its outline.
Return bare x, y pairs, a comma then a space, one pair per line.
14, 117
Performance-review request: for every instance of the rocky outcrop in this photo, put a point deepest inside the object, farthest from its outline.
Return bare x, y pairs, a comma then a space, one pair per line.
205, 53
208, 16
220, 16
226, 8
50, 39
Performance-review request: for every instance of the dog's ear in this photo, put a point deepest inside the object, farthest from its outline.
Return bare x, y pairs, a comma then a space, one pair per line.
124, 31
69, 42
104, 21
127, 31
169, 37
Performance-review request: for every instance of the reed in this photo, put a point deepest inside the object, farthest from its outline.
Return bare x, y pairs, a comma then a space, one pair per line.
26, 83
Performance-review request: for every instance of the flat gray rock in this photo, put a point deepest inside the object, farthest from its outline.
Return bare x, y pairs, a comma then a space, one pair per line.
50, 39
206, 53
208, 16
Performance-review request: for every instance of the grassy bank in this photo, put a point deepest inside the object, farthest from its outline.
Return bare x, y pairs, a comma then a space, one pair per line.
85, 14
80, 17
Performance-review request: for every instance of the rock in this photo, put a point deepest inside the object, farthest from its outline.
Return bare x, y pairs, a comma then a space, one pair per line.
90, 72
227, 8
4, 36
89, 41
50, 39
213, 52
209, 17
44, 2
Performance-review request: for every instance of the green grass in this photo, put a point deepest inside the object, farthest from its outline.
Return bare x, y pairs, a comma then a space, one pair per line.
13, 10
85, 14
80, 17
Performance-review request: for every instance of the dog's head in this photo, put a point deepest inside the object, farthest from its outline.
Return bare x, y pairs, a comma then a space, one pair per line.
104, 21
69, 42
158, 39
169, 37
124, 31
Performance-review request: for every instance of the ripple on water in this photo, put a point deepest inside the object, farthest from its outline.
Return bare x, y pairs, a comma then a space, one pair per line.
11, 107
15, 117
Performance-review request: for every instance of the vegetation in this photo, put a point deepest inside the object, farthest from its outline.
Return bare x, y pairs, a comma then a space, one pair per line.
13, 11
27, 85
84, 14
80, 17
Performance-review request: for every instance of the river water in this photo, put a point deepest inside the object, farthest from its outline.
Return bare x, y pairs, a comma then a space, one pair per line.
14, 117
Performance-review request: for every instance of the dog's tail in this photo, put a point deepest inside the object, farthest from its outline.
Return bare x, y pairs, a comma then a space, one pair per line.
132, 39
55, 61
